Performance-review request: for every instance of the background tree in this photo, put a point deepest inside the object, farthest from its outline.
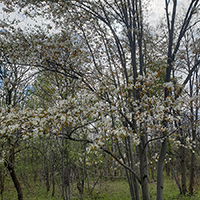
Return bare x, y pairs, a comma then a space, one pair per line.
118, 102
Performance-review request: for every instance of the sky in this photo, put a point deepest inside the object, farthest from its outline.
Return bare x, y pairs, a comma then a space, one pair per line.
156, 11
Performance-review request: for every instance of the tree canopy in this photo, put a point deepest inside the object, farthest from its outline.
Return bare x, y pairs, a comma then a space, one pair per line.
97, 73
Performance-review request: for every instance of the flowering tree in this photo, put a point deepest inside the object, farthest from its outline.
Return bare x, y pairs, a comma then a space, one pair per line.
123, 101
15, 80
189, 55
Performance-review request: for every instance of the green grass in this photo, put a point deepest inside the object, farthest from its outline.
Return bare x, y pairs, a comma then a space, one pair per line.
34, 192
110, 190
171, 191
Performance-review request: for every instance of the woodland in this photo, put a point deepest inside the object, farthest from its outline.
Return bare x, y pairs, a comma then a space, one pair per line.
95, 95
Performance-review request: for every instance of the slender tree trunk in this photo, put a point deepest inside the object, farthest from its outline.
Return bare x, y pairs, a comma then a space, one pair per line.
62, 170
177, 180
192, 164
168, 164
53, 184
183, 172
105, 166
182, 162
68, 192
16, 182
2, 178
144, 167
135, 183
150, 154
191, 186
159, 195
83, 173
47, 177
152, 173
53, 172
129, 175
9, 164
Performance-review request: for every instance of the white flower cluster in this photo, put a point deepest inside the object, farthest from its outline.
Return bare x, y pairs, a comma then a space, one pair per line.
169, 85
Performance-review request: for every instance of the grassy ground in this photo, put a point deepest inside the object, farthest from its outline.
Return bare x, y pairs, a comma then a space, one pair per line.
110, 190
171, 191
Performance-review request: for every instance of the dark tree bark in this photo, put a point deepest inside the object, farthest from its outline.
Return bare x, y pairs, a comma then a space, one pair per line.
183, 171
144, 166
9, 164
191, 184
2, 178
192, 162
163, 150
171, 57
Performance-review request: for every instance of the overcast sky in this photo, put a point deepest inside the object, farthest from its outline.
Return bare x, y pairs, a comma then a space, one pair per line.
157, 8
156, 11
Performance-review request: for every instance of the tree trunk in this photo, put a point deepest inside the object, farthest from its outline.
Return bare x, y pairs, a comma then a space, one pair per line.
2, 178
16, 182
192, 164
53, 174
68, 192
182, 158
168, 164
177, 180
132, 184
191, 184
9, 164
144, 167
159, 195
191, 189
152, 173
135, 183
183, 171
47, 176
105, 166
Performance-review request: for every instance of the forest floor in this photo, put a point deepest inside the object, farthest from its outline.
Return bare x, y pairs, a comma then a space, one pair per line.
104, 190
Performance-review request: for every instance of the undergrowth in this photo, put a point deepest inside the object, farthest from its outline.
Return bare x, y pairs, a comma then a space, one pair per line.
104, 190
